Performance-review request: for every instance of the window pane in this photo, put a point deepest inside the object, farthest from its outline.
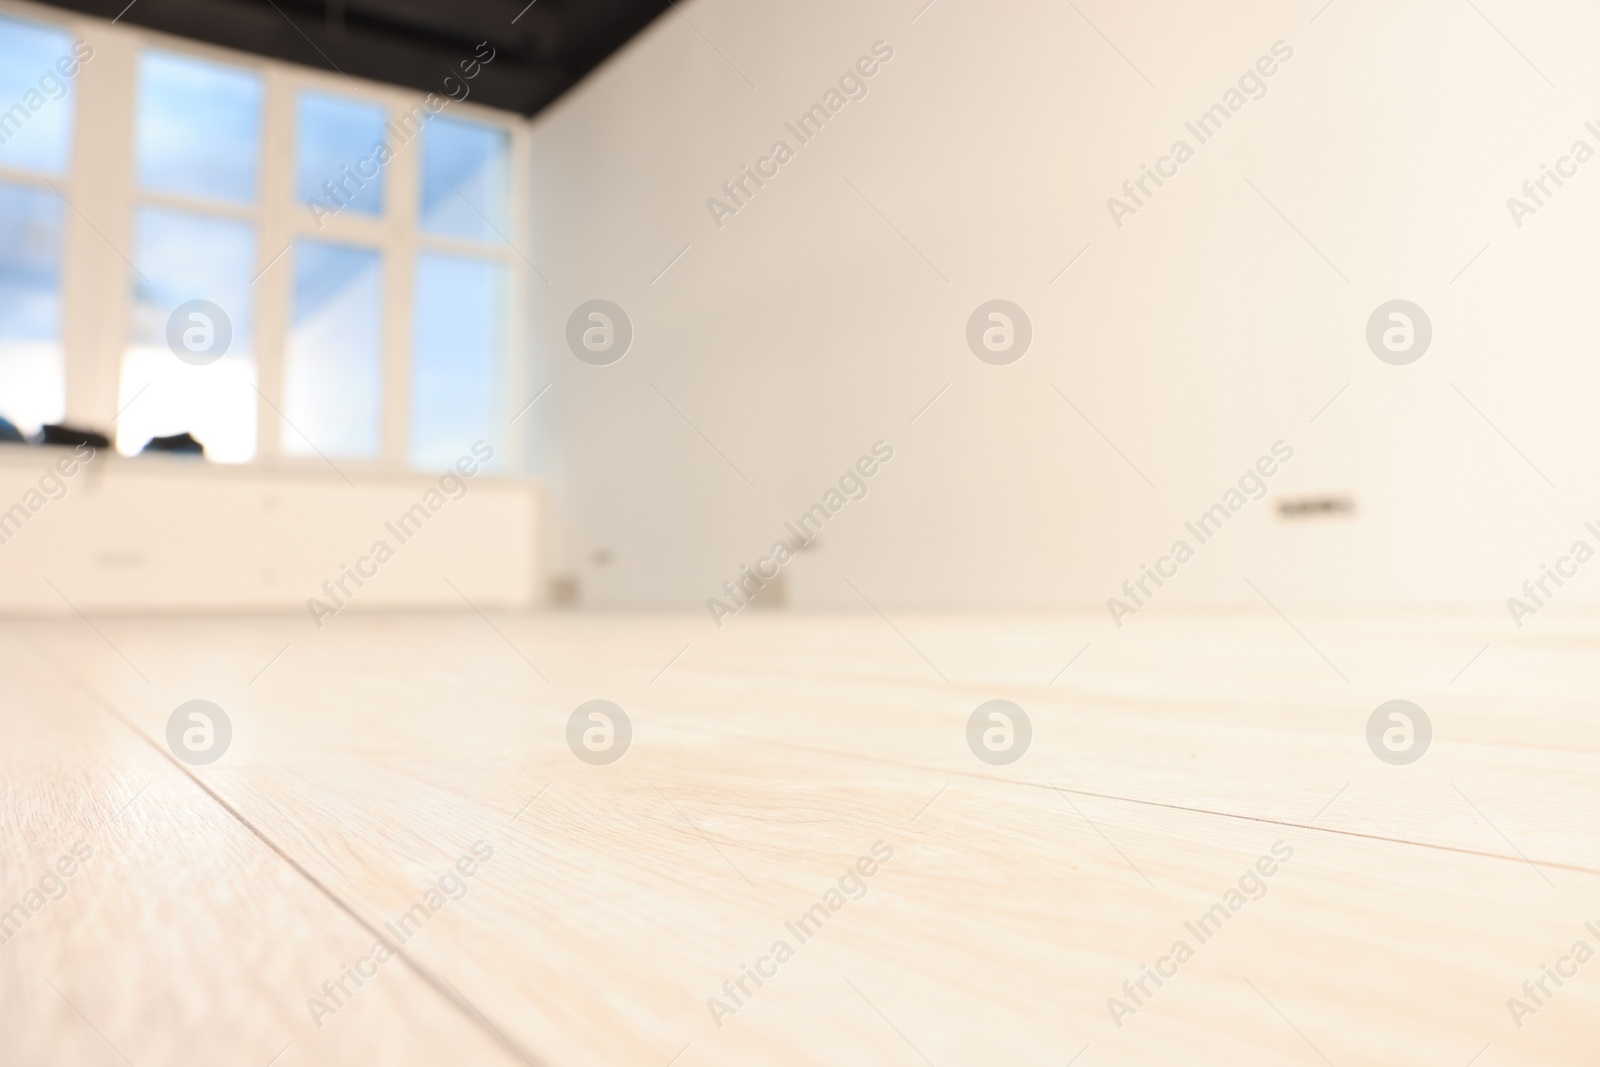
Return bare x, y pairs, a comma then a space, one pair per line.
37, 65
32, 371
182, 257
332, 388
457, 345
339, 160
465, 170
199, 128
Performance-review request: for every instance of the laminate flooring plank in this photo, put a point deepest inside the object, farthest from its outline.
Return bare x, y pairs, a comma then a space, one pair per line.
1228, 714
144, 924
619, 899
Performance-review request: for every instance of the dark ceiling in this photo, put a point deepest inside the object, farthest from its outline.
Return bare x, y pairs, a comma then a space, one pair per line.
541, 49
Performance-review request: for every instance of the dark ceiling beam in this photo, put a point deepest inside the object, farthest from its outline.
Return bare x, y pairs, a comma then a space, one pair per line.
464, 21
411, 43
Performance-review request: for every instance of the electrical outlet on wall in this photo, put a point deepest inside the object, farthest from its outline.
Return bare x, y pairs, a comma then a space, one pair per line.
1316, 507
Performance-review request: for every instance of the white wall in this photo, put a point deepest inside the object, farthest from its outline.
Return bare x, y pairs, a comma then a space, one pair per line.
1194, 336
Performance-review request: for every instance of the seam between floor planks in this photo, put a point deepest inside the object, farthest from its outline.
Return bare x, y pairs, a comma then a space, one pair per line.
439, 985
947, 772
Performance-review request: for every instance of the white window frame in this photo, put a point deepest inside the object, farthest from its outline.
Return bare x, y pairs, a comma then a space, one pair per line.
102, 198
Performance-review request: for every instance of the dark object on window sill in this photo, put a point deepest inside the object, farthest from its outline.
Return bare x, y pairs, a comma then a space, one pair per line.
9, 434
179, 444
71, 436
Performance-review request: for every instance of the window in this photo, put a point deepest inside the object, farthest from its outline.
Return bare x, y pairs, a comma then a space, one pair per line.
339, 141
183, 257
35, 96
464, 177
290, 266
456, 355
32, 371
332, 379
459, 343
199, 128
190, 368
37, 67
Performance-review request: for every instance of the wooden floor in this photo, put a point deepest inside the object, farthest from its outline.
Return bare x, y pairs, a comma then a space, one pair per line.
767, 759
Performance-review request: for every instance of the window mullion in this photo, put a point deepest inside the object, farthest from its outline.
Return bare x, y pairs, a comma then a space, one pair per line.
515, 355
275, 257
97, 272
400, 253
